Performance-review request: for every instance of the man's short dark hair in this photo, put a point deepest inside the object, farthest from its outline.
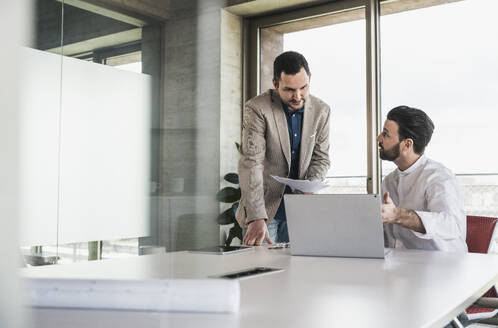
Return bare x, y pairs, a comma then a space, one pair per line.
412, 123
289, 62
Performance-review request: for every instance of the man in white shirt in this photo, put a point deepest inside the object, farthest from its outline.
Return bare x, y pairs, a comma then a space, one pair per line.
422, 204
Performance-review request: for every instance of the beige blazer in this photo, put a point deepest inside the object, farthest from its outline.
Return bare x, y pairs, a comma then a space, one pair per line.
265, 151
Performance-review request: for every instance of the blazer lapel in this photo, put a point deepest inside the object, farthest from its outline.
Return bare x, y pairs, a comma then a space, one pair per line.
281, 123
307, 137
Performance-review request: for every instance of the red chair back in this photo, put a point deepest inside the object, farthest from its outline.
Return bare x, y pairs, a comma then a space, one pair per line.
479, 232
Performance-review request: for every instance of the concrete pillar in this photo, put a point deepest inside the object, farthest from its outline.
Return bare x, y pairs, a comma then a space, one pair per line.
191, 137
230, 100
272, 45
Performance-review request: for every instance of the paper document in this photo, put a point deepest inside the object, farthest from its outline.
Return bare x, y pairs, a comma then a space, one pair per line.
184, 295
302, 185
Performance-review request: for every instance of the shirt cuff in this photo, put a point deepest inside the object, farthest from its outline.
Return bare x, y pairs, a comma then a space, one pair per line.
428, 222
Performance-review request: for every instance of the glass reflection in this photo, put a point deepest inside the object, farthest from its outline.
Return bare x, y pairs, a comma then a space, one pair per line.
63, 33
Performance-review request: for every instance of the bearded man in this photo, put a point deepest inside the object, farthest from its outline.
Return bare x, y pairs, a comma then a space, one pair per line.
285, 132
422, 203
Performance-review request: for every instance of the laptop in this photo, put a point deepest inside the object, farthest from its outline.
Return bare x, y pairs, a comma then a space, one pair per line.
337, 225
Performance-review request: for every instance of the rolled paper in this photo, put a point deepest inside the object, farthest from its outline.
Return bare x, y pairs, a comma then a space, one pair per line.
179, 295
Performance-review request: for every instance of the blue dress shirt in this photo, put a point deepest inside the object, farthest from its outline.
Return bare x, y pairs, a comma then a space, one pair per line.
294, 125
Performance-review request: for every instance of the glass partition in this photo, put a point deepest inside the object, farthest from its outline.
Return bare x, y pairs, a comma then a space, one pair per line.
88, 149
135, 132
40, 76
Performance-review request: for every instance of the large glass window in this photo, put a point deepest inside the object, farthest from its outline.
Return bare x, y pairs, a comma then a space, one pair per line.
335, 52
438, 56
443, 60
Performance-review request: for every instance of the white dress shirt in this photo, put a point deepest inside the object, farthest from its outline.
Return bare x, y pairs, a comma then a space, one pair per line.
431, 190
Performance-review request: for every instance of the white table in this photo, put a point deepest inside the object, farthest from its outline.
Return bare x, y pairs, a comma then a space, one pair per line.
407, 289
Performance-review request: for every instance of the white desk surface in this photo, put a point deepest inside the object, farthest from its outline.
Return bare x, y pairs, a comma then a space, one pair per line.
407, 289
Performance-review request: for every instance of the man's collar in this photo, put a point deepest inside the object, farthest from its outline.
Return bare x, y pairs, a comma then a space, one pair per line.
419, 162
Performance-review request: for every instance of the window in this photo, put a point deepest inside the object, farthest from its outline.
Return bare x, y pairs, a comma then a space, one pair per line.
450, 71
334, 46
336, 55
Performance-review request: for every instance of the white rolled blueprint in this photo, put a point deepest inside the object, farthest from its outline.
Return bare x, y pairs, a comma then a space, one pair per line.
179, 295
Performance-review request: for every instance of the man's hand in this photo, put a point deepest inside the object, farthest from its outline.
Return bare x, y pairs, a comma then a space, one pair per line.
405, 218
389, 211
256, 232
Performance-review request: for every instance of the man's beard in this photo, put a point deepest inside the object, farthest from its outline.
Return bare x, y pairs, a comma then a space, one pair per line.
293, 106
390, 154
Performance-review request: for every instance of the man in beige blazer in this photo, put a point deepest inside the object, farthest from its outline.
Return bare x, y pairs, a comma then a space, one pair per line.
285, 132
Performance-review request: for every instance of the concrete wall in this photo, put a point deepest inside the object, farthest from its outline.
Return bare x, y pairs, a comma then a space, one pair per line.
230, 98
147, 10
79, 24
263, 7
230, 90
272, 45
200, 120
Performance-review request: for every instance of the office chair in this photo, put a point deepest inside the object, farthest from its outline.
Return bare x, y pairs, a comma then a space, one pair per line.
480, 233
